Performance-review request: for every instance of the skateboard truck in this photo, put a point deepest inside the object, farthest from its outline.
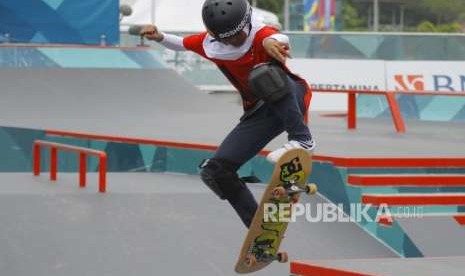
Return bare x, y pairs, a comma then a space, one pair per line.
293, 191
266, 257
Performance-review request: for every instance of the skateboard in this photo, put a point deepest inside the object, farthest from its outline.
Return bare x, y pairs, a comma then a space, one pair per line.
289, 180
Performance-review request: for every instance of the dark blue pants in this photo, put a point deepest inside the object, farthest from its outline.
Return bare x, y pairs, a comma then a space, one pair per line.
253, 133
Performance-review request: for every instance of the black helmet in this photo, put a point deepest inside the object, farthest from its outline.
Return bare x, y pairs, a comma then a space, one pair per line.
225, 18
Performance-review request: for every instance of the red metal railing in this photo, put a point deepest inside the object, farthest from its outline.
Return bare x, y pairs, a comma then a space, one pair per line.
414, 199
347, 162
406, 180
303, 268
352, 106
391, 99
83, 152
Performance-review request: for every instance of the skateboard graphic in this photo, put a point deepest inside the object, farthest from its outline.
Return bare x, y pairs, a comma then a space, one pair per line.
289, 180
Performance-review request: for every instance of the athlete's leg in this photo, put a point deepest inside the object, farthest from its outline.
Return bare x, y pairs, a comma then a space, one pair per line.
242, 143
291, 110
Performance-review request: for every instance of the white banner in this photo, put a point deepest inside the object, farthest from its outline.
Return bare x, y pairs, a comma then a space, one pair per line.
339, 74
446, 76
375, 75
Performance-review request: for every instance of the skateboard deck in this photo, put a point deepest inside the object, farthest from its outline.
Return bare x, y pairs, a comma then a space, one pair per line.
264, 237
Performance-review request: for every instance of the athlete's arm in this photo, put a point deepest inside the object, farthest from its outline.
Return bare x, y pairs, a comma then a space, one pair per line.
170, 41
173, 42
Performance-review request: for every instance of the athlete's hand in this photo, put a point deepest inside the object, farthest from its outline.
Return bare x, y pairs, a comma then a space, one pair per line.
151, 33
276, 49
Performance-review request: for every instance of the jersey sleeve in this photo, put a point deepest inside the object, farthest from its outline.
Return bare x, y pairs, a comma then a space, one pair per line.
259, 50
173, 42
266, 32
194, 43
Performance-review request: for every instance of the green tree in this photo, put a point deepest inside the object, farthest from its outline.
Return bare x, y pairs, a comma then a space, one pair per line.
443, 16
446, 11
274, 6
439, 11
426, 27
351, 21
449, 28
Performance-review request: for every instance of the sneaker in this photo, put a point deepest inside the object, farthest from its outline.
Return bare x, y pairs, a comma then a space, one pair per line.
274, 156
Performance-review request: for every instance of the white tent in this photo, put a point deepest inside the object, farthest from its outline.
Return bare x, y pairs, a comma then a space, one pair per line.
175, 15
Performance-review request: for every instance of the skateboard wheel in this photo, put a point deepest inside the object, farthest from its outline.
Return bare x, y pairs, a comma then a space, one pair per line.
279, 192
283, 257
311, 189
250, 261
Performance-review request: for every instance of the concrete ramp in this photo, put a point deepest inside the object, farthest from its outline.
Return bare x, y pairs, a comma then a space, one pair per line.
149, 104
436, 236
146, 224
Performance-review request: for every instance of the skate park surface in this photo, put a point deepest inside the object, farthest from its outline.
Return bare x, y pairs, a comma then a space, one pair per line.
153, 223
147, 224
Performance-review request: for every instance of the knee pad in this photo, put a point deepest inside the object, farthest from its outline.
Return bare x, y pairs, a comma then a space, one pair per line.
268, 82
221, 177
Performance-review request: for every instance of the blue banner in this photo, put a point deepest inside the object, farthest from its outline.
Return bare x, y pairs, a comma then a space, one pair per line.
59, 21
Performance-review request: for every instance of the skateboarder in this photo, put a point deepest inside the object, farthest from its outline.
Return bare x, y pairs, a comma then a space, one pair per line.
252, 56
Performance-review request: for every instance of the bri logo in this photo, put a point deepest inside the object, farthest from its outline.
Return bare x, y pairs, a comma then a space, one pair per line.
409, 82
417, 82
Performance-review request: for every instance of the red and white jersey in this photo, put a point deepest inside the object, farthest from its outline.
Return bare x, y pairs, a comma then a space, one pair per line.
235, 62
